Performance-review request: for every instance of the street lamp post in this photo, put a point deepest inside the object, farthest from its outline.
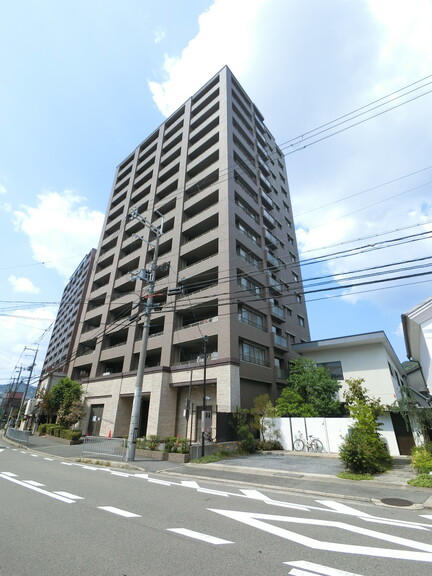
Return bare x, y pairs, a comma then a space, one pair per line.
203, 413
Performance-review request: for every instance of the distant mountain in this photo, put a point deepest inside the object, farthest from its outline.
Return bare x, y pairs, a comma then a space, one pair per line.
4, 389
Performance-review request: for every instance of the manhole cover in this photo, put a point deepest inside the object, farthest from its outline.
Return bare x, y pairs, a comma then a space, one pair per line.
396, 502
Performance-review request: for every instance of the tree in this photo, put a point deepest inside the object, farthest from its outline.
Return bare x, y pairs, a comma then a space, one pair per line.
315, 385
290, 403
263, 413
63, 395
363, 450
417, 418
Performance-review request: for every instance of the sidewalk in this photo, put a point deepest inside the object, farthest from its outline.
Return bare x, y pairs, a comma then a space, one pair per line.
289, 471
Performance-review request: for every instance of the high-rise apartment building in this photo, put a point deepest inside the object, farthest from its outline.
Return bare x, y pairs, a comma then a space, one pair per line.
214, 176
59, 351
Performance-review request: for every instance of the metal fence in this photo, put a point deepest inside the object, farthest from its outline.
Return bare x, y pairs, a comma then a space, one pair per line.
21, 436
114, 447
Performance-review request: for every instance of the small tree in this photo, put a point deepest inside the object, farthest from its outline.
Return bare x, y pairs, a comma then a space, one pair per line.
315, 385
263, 413
363, 450
63, 396
417, 418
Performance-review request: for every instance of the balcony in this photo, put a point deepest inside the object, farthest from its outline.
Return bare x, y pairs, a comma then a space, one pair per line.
269, 218
272, 259
278, 312
270, 238
280, 341
265, 199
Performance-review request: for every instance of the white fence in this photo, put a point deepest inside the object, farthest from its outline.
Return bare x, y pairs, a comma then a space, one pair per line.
331, 431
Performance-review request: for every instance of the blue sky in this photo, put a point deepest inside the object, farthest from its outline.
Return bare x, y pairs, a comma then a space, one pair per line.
84, 82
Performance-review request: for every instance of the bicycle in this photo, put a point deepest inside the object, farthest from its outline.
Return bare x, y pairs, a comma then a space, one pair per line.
313, 444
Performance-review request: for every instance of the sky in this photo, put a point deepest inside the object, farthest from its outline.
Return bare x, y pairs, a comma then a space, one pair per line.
344, 86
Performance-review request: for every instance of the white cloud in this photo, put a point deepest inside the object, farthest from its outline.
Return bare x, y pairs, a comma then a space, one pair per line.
159, 35
23, 285
61, 229
3, 189
226, 36
21, 329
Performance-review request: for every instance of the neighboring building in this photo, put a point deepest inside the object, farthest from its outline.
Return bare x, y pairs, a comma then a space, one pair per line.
417, 328
370, 357
215, 176
60, 346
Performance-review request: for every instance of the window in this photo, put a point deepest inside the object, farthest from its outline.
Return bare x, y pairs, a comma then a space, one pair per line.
301, 320
252, 353
248, 256
298, 298
335, 369
250, 285
249, 317
295, 277
291, 337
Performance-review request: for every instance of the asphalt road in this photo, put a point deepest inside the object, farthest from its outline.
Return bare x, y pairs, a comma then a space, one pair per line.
63, 518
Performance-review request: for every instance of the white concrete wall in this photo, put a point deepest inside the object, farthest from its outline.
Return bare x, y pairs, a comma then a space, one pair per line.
426, 351
331, 431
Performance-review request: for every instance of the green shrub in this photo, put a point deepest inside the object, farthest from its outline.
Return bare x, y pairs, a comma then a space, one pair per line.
364, 453
175, 444
70, 434
42, 428
269, 445
421, 458
148, 443
422, 481
248, 445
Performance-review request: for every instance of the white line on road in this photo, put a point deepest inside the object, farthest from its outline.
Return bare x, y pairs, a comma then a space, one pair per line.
199, 536
215, 492
11, 474
33, 483
318, 569
119, 512
69, 495
36, 489
255, 495
120, 474
190, 483
49, 459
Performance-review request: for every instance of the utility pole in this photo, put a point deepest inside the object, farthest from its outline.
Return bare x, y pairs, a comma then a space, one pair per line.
203, 413
30, 369
150, 277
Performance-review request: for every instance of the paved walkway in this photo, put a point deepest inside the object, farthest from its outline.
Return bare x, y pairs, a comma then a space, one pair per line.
291, 471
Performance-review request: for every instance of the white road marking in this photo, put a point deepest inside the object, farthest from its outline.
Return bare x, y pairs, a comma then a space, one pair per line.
343, 508
318, 569
215, 492
157, 481
189, 484
33, 483
69, 495
427, 516
49, 459
114, 473
36, 489
34, 455
144, 476
400, 523
119, 512
255, 495
67, 463
199, 536
90, 467
11, 474
261, 521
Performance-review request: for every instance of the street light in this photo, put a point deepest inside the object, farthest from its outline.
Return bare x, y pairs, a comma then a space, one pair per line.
203, 413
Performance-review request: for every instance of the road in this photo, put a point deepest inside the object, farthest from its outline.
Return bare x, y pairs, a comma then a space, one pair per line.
64, 518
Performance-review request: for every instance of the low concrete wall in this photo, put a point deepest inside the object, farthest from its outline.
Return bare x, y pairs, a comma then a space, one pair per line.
331, 431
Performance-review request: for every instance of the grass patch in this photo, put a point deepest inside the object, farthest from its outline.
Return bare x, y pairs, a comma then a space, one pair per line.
422, 481
214, 457
353, 476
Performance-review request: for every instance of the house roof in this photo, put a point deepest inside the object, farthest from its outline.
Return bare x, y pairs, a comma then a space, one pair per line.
411, 324
350, 341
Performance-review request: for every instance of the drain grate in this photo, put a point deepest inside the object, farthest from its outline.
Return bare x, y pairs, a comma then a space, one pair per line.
396, 502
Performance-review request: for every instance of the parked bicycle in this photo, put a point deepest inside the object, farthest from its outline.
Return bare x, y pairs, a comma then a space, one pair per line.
313, 444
